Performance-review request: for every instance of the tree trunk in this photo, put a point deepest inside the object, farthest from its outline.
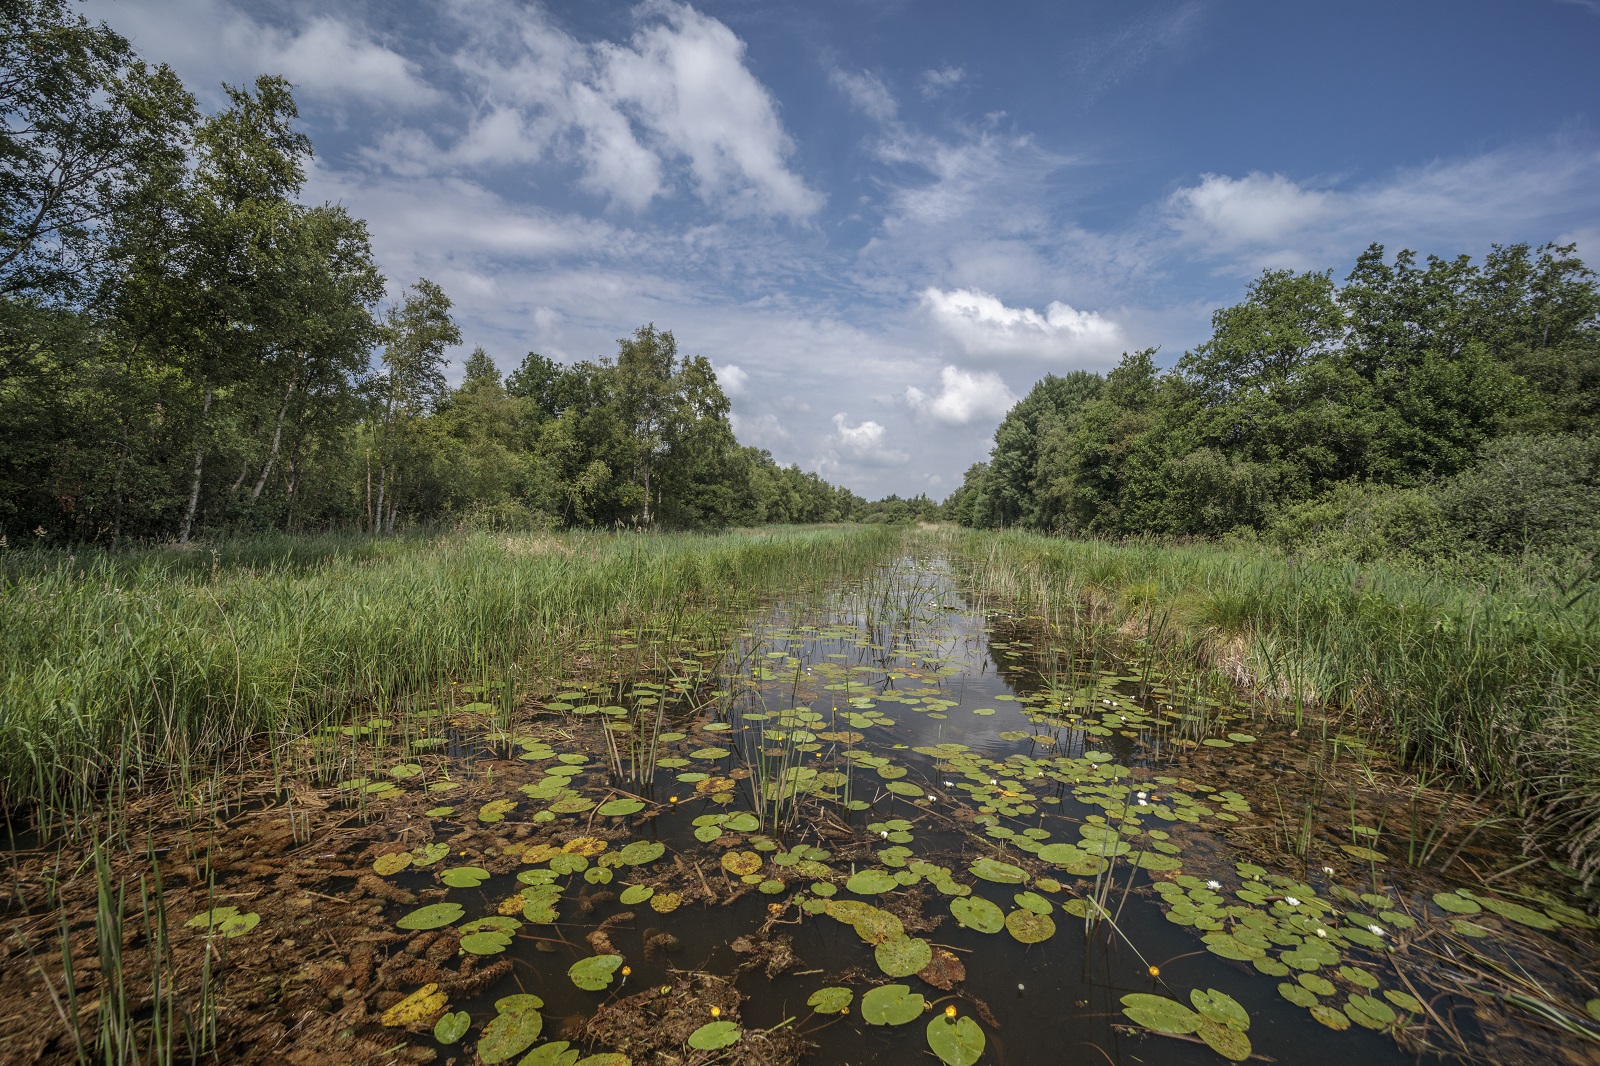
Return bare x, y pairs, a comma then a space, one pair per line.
199, 461
277, 440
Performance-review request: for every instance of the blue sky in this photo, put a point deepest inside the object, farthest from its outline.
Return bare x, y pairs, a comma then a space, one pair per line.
883, 221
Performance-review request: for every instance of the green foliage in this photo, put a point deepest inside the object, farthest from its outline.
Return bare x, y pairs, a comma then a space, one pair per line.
1350, 421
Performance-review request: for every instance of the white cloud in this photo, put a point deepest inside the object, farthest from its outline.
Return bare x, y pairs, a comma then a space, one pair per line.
936, 82
210, 41
963, 397
1521, 192
864, 443
983, 325
676, 95
684, 77
867, 92
1223, 212
733, 379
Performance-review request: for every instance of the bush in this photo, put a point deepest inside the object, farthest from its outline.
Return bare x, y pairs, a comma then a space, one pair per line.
1362, 523
1531, 494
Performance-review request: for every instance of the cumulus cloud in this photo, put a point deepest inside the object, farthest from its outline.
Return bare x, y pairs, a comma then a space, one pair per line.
935, 82
866, 91
983, 325
963, 397
863, 443
1224, 212
675, 100
326, 58
732, 378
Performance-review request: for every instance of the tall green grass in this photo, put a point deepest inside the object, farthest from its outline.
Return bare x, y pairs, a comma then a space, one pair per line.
1500, 683
119, 669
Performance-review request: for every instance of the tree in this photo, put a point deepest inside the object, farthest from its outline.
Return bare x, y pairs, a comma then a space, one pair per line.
415, 334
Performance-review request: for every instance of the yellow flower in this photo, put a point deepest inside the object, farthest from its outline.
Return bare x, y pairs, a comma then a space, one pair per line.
716, 1012
950, 1012
1155, 971
626, 970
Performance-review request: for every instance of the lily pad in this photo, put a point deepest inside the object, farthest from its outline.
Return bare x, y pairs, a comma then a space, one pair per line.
639, 852
634, 894
714, 1035
416, 1010
619, 807
555, 1053
1029, 927
957, 1043
975, 912
594, 973
871, 882
452, 1027
830, 1000
509, 1034
1220, 1008
487, 942
428, 854
433, 916
1516, 912
1225, 1040
741, 862
465, 876
392, 863
1001, 872
1332, 1017
1160, 1013
890, 1005
1455, 903
903, 957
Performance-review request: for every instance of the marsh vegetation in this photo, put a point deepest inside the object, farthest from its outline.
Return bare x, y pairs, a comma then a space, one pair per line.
832, 795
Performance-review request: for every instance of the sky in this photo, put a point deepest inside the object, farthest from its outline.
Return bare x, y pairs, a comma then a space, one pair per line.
884, 220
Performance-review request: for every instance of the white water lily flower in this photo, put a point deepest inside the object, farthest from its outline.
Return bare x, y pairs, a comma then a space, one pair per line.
1327, 869
1213, 885
931, 796
1323, 933
1291, 901
1144, 803
884, 833
1374, 930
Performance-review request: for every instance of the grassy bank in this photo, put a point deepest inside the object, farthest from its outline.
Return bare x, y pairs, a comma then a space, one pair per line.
1501, 685
128, 667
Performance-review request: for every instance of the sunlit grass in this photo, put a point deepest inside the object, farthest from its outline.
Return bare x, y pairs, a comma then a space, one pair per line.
121, 670
1500, 684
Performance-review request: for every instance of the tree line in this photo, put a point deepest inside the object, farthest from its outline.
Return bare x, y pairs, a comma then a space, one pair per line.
185, 346
1417, 409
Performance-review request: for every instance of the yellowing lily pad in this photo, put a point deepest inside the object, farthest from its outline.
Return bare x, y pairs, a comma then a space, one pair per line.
416, 1010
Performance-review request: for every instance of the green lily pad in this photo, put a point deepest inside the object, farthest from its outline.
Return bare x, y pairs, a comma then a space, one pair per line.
555, 1053
1160, 1013
594, 973
465, 876
433, 916
1332, 1017
566, 862
830, 1000
496, 810
1299, 995
452, 1027
619, 807
1225, 1040
239, 924
1405, 1001
890, 1005
957, 1043
1455, 904
636, 894
428, 854
1516, 912
392, 863
639, 852
214, 916
1001, 872
903, 957
1030, 927
509, 1034
487, 942
871, 882
1220, 1008
518, 1001
714, 1035
975, 912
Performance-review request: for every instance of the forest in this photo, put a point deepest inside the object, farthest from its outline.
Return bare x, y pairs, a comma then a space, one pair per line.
1416, 411
187, 348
